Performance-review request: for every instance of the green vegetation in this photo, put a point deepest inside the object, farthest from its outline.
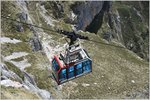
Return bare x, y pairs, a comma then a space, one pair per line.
19, 47
112, 67
18, 59
14, 69
16, 93
8, 9
39, 69
133, 24
41, 77
124, 11
23, 36
66, 27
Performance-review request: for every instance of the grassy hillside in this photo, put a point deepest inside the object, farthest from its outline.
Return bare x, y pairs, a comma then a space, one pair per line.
116, 71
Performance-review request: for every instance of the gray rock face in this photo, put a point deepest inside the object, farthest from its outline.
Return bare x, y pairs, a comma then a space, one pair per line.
97, 22
115, 25
35, 43
86, 12
107, 36
23, 16
19, 27
125, 23
6, 73
57, 7
34, 40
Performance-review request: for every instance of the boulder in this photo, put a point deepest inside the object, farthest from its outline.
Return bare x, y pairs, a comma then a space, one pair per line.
35, 43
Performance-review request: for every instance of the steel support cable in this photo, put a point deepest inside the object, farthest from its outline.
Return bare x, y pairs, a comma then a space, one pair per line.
57, 31
27, 23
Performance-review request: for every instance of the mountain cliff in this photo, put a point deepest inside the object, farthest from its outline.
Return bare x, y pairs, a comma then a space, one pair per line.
118, 35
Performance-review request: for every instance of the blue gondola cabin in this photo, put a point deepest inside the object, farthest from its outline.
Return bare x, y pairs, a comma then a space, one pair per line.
74, 63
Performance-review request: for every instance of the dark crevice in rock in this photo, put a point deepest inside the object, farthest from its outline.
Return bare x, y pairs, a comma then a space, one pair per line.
97, 22
110, 20
86, 11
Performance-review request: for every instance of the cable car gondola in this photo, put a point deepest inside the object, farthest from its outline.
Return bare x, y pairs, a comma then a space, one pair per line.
74, 63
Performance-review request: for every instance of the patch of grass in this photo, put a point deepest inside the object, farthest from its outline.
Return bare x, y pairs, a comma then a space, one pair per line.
40, 72
32, 58
23, 36
15, 69
9, 48
124, 12
8, 8
39, 69
16, 93
19, 47
64, 26
41, 77
18, 59
113, 69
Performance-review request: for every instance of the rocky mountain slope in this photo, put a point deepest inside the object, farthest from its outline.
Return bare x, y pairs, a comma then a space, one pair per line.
125, 21
118, 46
